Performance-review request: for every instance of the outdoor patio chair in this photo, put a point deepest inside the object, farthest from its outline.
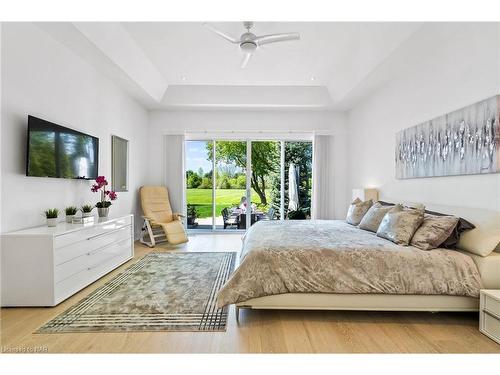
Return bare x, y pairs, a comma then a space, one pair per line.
229, 220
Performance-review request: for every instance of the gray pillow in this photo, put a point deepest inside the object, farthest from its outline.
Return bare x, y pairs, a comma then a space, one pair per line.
434, 231
357, 210
399, 224
372, 219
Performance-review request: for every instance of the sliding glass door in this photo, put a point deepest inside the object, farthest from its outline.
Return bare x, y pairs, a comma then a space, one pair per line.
199, 184
231, 184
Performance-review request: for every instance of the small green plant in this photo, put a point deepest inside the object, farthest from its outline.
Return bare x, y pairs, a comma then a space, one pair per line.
191, 211
87, 208
71, 210
52, 213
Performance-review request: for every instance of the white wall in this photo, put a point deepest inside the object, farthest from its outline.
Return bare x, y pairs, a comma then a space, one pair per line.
43, 78
443, 67
179, 122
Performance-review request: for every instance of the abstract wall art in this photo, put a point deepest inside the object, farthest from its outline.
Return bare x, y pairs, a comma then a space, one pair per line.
463, 142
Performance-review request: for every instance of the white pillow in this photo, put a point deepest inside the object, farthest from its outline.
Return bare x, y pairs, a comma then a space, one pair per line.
482, 240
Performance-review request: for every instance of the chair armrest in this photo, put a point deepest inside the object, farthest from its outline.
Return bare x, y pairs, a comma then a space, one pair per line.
178, 216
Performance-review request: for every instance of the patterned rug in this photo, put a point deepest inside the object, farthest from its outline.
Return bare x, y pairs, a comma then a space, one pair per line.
161, 292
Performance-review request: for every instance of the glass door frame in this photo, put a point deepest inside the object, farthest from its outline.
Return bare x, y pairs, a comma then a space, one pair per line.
248, 193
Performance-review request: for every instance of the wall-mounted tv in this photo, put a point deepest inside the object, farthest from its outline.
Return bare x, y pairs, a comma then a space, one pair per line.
57, 151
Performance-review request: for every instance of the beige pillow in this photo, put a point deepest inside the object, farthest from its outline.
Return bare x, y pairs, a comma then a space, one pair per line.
482, 240
357, 210
399, 224
433, 231
372, 219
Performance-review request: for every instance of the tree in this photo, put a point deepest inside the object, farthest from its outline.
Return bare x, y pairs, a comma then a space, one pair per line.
200, 172
299, 153
265, 161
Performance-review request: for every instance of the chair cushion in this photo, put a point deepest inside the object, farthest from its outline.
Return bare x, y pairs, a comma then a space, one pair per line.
175, 232
156, 204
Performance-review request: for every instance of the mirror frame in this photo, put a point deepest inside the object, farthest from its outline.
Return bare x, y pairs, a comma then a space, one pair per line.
118, 189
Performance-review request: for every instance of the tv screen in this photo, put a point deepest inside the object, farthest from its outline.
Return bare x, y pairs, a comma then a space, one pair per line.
56, 151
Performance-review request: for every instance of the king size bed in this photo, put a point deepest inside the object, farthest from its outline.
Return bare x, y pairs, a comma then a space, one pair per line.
332, 265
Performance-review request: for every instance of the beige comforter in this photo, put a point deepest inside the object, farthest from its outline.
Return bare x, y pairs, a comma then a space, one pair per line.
331, 256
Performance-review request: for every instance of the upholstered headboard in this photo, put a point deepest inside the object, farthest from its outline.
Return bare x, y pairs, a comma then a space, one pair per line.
486, 221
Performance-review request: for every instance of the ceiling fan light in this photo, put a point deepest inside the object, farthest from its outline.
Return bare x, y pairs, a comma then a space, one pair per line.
248, 46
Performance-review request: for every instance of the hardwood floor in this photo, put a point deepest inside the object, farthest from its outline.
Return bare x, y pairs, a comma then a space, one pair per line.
259, 331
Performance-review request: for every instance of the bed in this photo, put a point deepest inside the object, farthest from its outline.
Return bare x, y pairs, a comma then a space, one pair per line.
331, 265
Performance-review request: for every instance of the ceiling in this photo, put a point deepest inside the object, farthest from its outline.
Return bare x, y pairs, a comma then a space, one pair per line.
185, 65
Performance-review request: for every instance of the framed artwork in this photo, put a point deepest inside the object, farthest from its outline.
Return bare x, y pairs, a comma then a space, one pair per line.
463, 142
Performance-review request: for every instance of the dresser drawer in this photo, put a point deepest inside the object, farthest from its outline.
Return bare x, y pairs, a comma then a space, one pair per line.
74, 283
492, 305
90, 232
91, 259
91, 244
491, 326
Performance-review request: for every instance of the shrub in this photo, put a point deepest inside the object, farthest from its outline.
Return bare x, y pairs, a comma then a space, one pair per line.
296, 215
193, 181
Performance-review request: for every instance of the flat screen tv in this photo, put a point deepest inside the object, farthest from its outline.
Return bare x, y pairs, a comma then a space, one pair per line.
56, 151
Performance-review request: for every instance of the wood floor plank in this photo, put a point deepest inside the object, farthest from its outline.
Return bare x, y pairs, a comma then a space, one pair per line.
259, 331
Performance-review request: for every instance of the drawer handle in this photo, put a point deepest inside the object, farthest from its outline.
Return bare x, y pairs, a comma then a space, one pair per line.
106, 233
492, 314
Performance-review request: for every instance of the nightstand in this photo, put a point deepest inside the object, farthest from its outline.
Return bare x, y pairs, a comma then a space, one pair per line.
489, 313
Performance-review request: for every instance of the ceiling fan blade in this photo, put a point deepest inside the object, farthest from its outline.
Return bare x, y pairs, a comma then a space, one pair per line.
273, 38
220, 33
246, 59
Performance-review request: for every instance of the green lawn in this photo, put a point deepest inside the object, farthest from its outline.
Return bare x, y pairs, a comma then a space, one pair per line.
202, 199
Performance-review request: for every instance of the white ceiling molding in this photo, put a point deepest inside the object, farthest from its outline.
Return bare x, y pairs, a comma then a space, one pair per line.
262, 97
115, 42
182, 65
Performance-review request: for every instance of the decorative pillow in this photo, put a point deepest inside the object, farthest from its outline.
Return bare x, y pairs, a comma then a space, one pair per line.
372, 219
452, 241
357, 210
433, 231
482, 240
462, 226
399, 224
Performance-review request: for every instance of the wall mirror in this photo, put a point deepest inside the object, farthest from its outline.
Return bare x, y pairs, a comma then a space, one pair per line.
119, 161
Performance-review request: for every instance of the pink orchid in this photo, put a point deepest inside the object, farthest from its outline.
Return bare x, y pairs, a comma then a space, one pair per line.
100, 185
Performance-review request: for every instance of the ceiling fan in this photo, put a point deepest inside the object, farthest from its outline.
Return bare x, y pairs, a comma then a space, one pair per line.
249, 42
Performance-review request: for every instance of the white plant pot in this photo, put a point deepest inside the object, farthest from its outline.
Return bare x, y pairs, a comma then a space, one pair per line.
87, 214
69, 218
52, 222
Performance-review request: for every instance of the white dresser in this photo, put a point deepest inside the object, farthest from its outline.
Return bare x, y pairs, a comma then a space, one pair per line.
489, 313
43, 266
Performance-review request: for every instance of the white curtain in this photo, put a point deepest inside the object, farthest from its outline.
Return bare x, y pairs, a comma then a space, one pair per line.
173, 157
323, 178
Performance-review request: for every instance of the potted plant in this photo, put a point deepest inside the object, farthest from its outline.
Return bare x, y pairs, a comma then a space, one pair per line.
104, 203
70, 213
51, 214
86, 210
192, 214
296, 215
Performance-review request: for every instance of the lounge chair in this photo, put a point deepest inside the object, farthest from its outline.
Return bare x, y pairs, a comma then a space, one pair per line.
160, 223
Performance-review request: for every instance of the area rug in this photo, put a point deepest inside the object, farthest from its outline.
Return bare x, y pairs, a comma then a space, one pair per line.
162, 292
